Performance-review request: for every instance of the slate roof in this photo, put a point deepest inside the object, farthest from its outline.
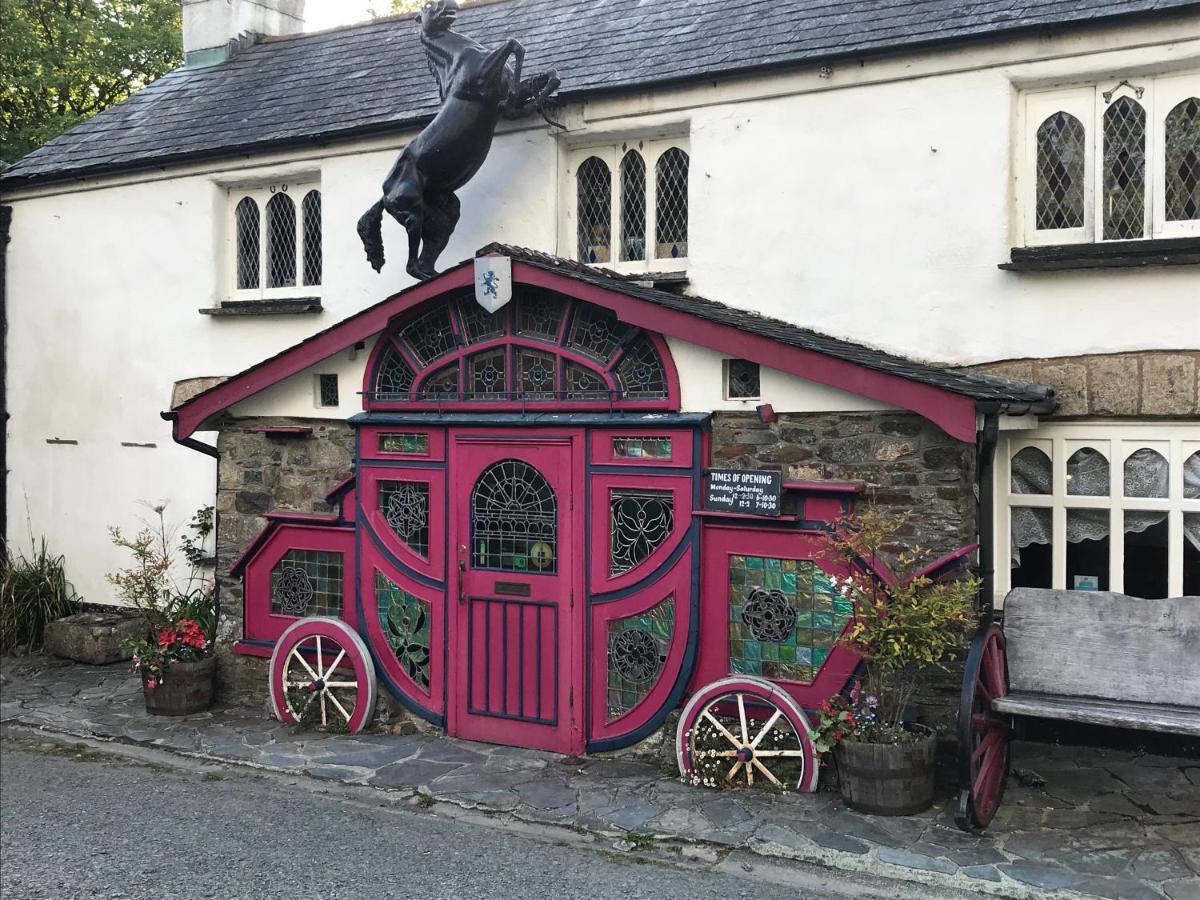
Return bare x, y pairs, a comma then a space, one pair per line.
372, 78
981, 387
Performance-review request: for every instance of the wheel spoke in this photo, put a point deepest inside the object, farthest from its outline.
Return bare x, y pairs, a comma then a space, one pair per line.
749, 775
721, 728
334, 700
341, 684
742, 715
775, 781
990, 740
763, 733
324, 714
780, 753
333, 665
296, 654
320, 666
729, 775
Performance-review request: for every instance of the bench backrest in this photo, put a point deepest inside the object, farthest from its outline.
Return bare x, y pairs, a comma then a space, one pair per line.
1097, 644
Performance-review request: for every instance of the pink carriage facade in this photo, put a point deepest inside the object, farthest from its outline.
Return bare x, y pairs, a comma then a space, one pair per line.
520, 533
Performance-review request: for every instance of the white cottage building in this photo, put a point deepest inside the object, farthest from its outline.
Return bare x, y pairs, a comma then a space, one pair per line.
940, 254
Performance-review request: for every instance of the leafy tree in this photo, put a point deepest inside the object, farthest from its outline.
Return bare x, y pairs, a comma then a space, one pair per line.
62, 61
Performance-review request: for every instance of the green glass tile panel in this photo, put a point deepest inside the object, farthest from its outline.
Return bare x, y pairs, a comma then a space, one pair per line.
785, 616
307, 583
637, 652
405, 621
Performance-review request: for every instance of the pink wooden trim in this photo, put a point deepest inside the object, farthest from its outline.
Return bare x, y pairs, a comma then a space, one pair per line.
191, 415
260, 623
282, 430
718, 514
336, 492
243, 648
301, 517
600, 579
953, 413
675, 581
823, 487
368, 441
432, 565
681, 447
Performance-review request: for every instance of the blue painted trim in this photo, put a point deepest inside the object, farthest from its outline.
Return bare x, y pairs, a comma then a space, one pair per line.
617, 469
403, 464
394, 560
587, 577
653, 577
627, 419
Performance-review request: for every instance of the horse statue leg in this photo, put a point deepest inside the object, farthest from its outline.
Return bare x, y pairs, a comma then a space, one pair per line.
370, 231
404, 199
441, 216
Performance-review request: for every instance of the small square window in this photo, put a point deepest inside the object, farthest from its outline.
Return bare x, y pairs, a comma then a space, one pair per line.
741, 380
327, 390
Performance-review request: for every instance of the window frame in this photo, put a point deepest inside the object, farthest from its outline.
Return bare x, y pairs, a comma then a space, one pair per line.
611, 155
261, 194
1176, 441
1087, 103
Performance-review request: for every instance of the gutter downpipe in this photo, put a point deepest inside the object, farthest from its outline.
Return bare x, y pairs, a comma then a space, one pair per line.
989, 435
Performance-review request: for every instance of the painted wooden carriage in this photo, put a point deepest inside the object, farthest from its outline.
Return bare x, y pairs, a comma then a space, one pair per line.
521, 552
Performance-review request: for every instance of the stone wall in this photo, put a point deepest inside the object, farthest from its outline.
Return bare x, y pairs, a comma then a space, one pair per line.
909, 466
259, 474
1154, 383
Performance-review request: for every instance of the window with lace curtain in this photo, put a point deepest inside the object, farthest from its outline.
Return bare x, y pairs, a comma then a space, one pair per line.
628, 205
1115, 160
1100, 507
275, 241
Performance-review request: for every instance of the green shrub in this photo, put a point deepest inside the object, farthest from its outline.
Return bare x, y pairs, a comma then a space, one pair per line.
33, 591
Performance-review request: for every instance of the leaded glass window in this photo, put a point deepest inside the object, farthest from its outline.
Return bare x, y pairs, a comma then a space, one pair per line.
596, 332
480, 324
1124, 200
742, 380
415, 443
405, 619
633, 206
671, 205
307, 583
785, 617
442, 384
640, 371
327, 390
514, 519
637, 651
536, 371
1061, 173
394, 378
247, 243
539, 314
404, 505
594, 210
1182, 138
642, 447
430, 337
486, 374
281, 241
312, 237
640, 522
584, 384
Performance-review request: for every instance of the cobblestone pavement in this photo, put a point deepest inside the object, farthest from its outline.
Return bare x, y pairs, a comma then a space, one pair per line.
1105, 823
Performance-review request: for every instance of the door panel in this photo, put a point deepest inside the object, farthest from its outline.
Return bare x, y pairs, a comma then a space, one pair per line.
516, 664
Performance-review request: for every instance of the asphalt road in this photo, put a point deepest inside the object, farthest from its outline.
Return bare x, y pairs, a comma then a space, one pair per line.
89, 826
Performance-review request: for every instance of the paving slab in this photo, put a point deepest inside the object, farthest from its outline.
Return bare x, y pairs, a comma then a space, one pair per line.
1105, 823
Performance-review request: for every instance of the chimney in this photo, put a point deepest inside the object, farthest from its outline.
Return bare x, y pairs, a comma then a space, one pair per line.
212, 28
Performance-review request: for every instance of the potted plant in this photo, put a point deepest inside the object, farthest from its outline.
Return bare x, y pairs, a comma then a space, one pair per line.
175, 659
903, 632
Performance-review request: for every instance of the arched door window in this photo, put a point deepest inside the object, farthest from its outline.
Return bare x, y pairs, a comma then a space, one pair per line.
514, 519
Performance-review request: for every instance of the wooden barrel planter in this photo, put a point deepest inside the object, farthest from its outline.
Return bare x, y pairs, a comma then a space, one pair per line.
888, 779
187, 687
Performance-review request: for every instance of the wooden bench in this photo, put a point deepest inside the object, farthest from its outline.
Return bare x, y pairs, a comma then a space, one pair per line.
1081, 656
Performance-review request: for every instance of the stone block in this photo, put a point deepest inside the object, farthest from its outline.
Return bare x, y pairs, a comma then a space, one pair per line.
1069, 381
1113, 385
1168, 385
1016, 369
93, 638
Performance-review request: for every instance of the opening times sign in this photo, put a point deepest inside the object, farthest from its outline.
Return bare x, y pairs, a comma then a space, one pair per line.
753, 492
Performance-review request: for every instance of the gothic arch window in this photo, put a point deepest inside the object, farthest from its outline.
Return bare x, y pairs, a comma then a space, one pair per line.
514, 519
247, 243
542, 348
1124, 198
633, 206
1182, 161
671, 205
281, 241
1061, 174
311, 208
594, 210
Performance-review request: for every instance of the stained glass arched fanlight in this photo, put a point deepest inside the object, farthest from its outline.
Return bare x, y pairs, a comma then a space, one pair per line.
514, 519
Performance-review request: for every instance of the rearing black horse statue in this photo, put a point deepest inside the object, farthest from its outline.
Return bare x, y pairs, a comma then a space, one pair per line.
477, 86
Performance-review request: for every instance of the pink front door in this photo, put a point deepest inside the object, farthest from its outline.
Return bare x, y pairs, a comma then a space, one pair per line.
516, 655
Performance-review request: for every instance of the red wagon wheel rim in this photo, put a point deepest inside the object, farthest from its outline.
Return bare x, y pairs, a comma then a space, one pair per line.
321, 665
988, 730
746, 750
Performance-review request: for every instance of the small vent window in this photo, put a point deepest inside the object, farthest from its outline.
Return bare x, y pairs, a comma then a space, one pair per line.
742, 380
327, 390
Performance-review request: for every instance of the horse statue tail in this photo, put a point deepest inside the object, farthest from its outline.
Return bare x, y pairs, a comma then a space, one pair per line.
370, 230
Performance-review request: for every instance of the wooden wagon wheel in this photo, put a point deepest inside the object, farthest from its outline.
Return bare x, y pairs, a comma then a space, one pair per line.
983, 734
321, 669
744, 728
